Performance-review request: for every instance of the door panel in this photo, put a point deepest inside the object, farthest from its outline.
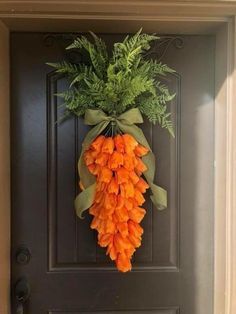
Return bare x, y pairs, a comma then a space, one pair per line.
68, 272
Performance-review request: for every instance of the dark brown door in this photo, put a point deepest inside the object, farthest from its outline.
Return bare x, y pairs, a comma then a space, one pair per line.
67, 272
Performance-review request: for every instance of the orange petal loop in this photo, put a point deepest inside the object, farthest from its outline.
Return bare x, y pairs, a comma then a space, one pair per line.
140, 150
116, 162
97, 143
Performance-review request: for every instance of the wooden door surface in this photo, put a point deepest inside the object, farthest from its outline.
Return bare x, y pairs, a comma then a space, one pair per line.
66, 270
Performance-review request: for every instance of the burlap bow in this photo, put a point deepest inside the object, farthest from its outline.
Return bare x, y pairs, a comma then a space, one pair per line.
126, 124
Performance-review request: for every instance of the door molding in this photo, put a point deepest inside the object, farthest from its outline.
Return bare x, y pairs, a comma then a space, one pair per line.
197, 17
4, 171
103, 8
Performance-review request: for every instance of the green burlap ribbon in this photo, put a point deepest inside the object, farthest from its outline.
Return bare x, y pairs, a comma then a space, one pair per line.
126, 123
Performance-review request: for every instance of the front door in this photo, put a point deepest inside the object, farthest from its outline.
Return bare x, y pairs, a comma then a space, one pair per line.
54, 252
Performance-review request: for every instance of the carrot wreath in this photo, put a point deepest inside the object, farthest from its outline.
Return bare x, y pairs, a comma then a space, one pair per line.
116, 165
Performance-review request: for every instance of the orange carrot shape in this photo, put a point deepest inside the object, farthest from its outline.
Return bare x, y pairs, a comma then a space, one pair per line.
117, 164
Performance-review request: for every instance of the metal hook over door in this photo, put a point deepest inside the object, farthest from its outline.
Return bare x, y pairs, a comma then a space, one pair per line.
22, 293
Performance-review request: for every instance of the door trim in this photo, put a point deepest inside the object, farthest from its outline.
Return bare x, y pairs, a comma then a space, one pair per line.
4, 171
194, 19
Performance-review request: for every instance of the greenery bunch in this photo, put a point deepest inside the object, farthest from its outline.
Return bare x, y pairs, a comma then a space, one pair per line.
116, 83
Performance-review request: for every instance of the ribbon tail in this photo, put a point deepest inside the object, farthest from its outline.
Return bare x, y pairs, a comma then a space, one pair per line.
159, 195
85, 176
85, 199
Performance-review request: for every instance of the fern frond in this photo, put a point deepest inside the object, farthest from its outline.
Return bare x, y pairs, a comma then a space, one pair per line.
101, 48
156, 112
96, 53
138, 39
158, 68
126, 53
64, 67
83, 73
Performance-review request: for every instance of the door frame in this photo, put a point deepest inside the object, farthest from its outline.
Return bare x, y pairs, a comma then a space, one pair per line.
184, 17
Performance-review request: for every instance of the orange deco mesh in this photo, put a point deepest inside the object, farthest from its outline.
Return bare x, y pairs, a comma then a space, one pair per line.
116, 162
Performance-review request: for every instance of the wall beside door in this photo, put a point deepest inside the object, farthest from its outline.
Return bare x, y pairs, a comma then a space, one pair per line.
4, 171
